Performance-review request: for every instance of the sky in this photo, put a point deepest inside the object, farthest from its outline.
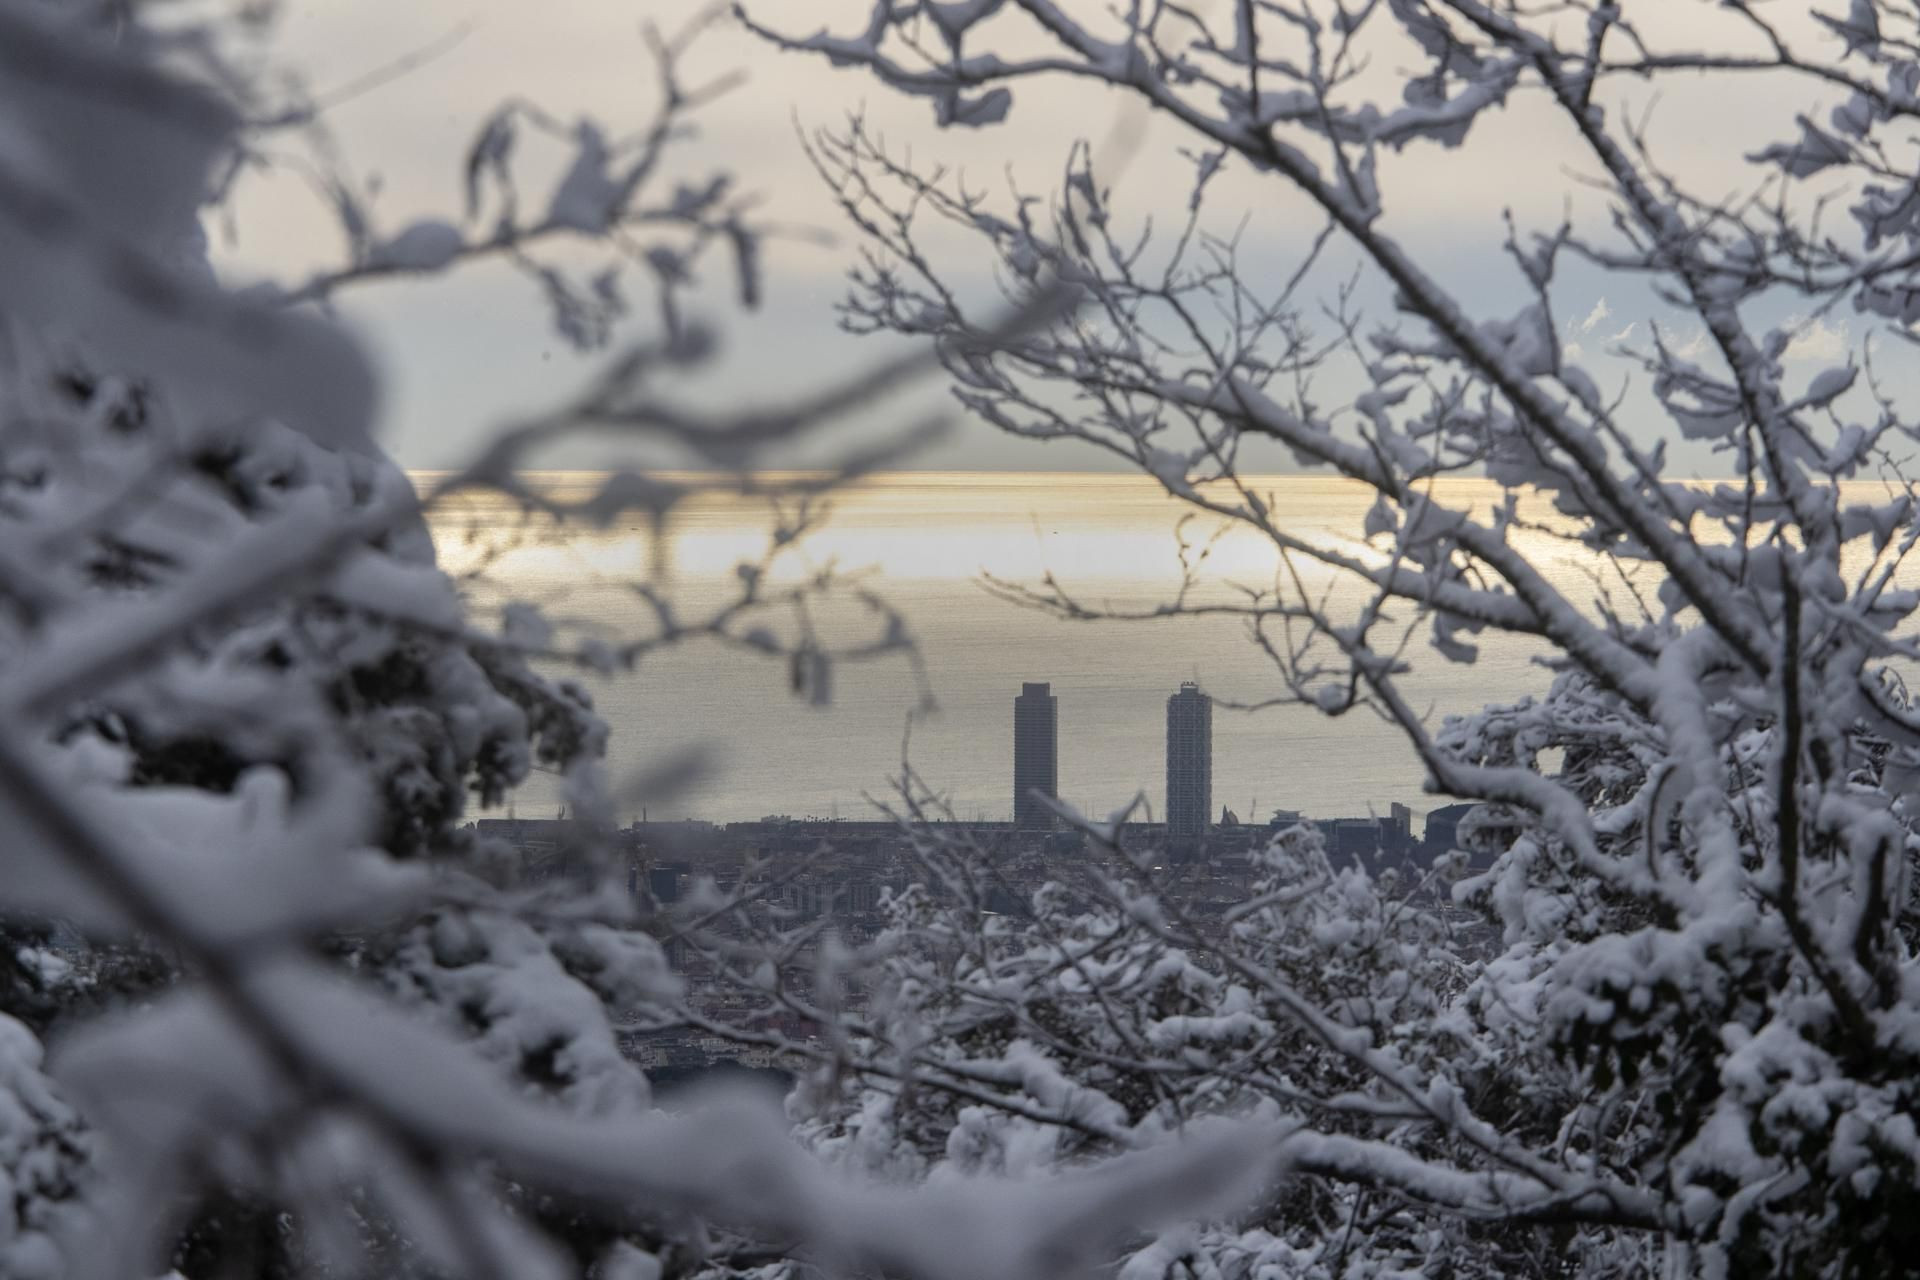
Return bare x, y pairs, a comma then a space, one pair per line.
463, 354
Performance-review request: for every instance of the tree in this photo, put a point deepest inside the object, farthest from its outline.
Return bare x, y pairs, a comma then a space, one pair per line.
1694, 1048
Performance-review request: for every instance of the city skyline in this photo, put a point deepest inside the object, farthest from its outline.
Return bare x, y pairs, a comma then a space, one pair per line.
1187, 810
1188, 797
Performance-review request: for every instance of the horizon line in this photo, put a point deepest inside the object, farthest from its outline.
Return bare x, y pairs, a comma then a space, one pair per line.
815, 472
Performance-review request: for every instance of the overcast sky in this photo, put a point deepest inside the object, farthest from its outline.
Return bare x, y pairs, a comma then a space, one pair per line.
462, 354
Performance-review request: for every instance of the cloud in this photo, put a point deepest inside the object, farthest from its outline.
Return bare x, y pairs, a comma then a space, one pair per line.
1600, 312
1625, 333
1571, 351
1816, 339
1695, 344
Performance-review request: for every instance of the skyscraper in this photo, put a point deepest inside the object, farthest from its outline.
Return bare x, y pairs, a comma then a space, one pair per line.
1189, 762
1036, 755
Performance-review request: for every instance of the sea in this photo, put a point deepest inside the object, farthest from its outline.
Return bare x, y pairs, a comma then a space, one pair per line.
715, 730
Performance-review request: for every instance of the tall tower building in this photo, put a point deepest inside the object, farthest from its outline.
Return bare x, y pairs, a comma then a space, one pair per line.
1036, 755
1189, 762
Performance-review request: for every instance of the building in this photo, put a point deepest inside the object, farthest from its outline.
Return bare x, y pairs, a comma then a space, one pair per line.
1374, 844
1036, 755
1482, 832
663, 882
1189, 762
554, 850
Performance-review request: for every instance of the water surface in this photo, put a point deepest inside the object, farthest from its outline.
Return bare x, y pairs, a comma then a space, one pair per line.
924, 541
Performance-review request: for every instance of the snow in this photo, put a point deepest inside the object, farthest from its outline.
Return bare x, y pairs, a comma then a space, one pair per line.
41, 1152
1815, 150
587, 195
1829, 385
731, 1160
427, 245
390, 589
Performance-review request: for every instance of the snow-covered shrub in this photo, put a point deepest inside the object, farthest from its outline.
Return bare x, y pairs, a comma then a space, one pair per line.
352, 683
43, 1159
310, 1025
